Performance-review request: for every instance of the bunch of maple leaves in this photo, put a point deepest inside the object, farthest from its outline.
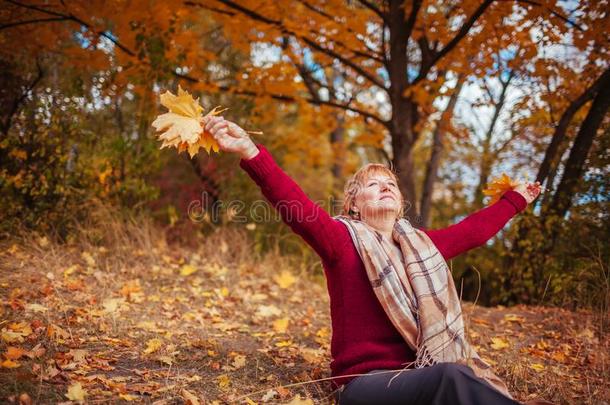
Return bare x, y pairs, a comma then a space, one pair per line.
182, 127
499, 186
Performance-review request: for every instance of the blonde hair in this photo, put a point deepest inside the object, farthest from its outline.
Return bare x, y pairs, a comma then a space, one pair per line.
358, 180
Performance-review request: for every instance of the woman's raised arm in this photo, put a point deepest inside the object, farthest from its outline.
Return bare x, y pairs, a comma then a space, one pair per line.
477, 228
306, 218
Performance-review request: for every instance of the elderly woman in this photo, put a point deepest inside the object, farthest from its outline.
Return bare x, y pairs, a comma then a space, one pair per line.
397, 329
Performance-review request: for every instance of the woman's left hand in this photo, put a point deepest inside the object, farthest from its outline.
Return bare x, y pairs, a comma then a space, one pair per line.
528, 190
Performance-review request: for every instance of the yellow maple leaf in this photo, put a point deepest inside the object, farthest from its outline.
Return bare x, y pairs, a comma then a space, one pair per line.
498, 343
88, 259
182, 104
187, 270
280, 325
537, 367
300, 401
178, 130
112, 304
153, 345
499, 186
181, 126
16, 332
239, 361
128, 397
76, 392
284, 343
223, 381
285, 279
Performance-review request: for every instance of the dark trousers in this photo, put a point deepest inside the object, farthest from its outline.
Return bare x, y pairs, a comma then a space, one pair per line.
441, 384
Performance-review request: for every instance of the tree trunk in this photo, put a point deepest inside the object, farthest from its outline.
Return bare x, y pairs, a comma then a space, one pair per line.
550, 156
405, 167
437, 150
402, 146
211, 190
574, 169
337, 143
404, 111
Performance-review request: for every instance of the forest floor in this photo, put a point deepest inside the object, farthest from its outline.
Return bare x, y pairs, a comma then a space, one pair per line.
143, 322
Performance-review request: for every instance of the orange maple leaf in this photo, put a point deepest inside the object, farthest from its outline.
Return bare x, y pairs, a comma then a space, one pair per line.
499, 186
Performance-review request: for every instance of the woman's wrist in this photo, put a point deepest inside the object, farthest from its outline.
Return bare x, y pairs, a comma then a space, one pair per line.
249, 152
516, 199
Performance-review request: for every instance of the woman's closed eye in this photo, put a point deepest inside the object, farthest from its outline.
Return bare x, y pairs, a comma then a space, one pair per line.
391, 183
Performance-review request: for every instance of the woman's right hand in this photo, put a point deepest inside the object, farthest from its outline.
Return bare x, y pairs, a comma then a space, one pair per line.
528, 190
230, 137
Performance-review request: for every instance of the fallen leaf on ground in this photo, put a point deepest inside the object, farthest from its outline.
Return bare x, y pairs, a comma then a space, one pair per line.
285, 279
76, 392
189, 398
498, 343
280, 325
187, 270
153, 345
299, 401
9, 364
268, 310
239, 361
223, 381
14, 353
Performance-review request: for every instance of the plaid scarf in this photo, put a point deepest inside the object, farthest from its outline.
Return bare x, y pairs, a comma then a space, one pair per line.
418, 294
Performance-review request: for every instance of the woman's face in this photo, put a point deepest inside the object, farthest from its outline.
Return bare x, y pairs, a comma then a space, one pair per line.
379, 198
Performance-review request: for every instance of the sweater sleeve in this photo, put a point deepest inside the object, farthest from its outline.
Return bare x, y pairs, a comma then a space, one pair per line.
477, 228
306, 218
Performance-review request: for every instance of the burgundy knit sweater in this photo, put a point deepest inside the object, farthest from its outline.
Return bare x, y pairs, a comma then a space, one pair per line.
363, 337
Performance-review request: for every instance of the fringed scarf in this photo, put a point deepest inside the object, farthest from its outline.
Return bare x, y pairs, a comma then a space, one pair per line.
418, 294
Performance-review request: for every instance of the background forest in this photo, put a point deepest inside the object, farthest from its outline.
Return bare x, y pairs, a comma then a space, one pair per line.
449, 93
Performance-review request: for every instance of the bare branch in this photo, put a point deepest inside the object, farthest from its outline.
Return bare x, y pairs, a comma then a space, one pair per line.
206, 7
374, 55
423, 72
38, 20
550, 10
413, 17
374, 9
72, 17
259, 17
283, 97
373, 79
426, 52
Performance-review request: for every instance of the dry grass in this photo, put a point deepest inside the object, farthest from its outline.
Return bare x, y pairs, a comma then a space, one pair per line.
95, 303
